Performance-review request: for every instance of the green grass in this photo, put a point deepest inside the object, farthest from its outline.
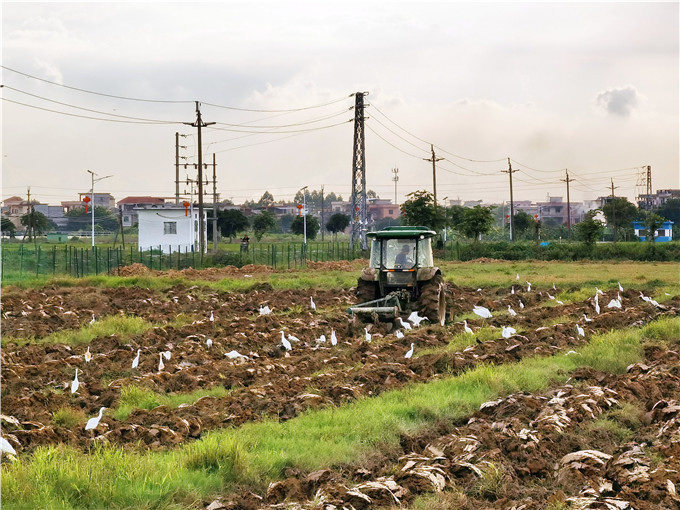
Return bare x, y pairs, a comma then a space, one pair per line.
121, 325
134, 397
109, 477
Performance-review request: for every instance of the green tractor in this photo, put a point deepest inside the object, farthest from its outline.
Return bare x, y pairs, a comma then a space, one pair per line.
401, 276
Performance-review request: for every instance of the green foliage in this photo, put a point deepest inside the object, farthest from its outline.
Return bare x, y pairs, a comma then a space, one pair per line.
263, 223
266, 200
78, 219
215, 454
475, 221
37, 222
298, 226
231, 222
670, 210
68, 418
652, 222
524, 225
8, 228
337, 223
134, 397
620, 214
590, 229
419, 209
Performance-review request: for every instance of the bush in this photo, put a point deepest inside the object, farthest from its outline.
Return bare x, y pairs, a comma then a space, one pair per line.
226, 258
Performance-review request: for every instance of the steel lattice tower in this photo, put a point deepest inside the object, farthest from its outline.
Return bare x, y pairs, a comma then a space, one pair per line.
358, 223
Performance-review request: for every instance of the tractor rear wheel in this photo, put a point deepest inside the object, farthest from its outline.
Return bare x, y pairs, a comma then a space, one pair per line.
432, 300
366, 291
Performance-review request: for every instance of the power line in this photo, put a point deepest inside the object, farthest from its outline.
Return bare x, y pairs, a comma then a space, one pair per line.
278, 111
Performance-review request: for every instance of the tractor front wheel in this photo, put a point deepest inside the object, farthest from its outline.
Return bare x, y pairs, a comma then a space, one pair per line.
432, 300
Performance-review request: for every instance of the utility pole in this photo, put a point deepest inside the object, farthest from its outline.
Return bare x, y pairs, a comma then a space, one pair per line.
568, 180
359, 218
395, 178
510, 171
648, 199
29, 227
200, 124
434, 160
214, 205
613, 202
323, 225
177, 148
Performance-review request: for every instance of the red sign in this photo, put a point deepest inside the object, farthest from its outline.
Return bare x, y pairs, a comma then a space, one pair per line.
87, 201
299, 207
186, 207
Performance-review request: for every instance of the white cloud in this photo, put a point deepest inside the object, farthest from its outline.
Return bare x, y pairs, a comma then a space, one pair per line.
619, 101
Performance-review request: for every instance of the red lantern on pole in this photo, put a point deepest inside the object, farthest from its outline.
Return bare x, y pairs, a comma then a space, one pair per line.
186, 207
299, 208
87, 201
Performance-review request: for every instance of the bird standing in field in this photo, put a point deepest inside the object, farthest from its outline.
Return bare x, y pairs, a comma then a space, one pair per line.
321, 339
399, 334
508, 331
528, 286
167, 355
161, 365
620, 287
467, 328
265, 310
135, 362
511, 311
284, 341
88, 355
5, 447
597, 304
93, 320
404, 325
482, 312
75, 383
312, 303
93, 423
409, 353
580, 330
521, 305
585, 318
212, 317
334, 339
368, 335
209, 343
234, 354
416, 319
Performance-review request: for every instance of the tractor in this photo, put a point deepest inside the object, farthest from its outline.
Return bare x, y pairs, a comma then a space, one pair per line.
401, 276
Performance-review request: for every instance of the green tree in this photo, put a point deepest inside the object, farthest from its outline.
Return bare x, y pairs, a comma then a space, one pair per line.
671, 211
590, 229
419, 209
298, 226
263, 223
523, 223
337, 223
231, 222
652, 222
8, 228
78, 219
266, 200
475, 221
620, 214
37, 223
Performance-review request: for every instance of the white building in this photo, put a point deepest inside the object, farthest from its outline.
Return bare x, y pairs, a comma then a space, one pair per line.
172, 228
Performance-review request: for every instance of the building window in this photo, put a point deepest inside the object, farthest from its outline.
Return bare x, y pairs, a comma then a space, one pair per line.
390, 211
169, 227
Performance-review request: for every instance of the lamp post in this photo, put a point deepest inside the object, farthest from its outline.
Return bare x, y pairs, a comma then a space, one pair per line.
444, 202
92, 198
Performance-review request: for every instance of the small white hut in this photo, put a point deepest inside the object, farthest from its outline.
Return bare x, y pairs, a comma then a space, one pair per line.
171, 228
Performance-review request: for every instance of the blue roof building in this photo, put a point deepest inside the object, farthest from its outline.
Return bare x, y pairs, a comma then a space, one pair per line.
665, 233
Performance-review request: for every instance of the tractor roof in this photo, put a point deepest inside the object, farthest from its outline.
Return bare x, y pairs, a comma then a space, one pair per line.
402, 233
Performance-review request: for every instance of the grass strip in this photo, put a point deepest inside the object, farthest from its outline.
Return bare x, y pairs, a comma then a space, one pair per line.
60, 477
121, 325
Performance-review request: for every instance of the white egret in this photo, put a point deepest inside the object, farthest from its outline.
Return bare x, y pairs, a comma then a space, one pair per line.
265, 310
580, 330
285, 342
467, 328
161, 365
416, 319
212, 317
209, 343
334, 339
236, 354
135, 362
549, 296
598, 291
321, 339
409, 353
368, 335
585, 318
517, 277
528, 286
597, 304
559, 302
88, 355
93, 320
293, 338
511, 311
512, 290
312, 303
5, 447
167, 355
554, 288
404, 325
620, 287
92, 423
399, 334
614, 303
508, 331
75, 383
521, 305
482, 312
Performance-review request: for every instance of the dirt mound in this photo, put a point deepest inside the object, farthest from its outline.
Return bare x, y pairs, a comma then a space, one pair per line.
135, 269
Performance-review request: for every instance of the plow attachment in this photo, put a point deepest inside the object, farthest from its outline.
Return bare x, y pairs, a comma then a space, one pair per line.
388, 307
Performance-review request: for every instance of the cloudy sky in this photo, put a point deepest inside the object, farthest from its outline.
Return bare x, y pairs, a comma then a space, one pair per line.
588, 88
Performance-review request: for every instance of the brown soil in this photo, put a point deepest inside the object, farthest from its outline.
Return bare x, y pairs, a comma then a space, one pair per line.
518, 452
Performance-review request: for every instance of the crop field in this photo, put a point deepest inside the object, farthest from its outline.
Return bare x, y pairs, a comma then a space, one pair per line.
571, 409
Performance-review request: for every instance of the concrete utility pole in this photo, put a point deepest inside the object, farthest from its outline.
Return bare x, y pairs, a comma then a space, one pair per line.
434, 160
395, 178
613, 202
648, 199
568, 180
200, 124
92, 199
510, 171
214, 205
323, 225
359, 218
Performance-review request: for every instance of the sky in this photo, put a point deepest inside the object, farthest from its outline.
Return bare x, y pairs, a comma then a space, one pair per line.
588, 90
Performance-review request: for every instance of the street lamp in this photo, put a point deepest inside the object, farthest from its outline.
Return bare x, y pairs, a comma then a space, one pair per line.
92, 198
444, 202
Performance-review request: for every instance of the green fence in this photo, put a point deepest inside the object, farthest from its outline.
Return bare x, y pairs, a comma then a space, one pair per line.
28, 260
